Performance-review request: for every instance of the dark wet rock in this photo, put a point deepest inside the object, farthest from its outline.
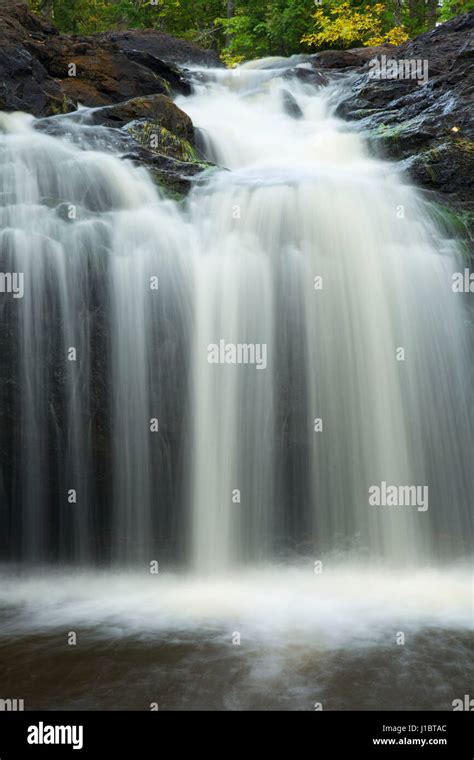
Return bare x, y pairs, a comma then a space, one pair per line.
25, 83
290, 105
427, 127
102, 76
163, 47
167, 71
312, 76
447, 168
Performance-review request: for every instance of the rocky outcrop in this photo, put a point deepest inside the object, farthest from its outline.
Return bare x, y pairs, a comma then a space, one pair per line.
124, 75
427, 127
45, 73
25, 83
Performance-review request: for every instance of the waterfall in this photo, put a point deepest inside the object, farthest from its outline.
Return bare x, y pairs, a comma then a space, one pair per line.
221, 382
344, 269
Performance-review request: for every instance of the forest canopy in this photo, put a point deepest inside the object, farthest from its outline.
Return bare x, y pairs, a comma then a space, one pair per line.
243, 29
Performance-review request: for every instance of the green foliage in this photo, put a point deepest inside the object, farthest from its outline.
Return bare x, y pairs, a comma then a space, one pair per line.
286, 23
183, 18
246, 38
451, 8
266, 28
246, 29
75, 16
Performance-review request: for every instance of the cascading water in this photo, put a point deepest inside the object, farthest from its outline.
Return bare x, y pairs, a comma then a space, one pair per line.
328, 258
217, 384
91, 362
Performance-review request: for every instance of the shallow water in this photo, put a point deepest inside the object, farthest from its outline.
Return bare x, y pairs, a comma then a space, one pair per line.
305, 638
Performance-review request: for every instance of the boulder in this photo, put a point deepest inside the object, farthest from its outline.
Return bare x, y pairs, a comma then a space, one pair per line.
157, 109
290, 105
155, 133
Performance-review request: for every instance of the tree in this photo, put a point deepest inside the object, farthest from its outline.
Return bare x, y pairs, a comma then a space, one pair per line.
230, 15
346, 26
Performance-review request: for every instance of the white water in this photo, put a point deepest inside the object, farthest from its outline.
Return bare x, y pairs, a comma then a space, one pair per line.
344, 606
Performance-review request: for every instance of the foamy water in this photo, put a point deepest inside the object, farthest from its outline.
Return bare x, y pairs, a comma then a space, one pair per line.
339, 607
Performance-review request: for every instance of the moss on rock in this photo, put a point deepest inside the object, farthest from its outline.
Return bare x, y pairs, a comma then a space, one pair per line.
159, 139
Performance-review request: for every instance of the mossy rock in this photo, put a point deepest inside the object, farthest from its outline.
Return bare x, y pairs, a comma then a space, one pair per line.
447, 168
402, 139
451, 158
457, 222
156, 138
58, 107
